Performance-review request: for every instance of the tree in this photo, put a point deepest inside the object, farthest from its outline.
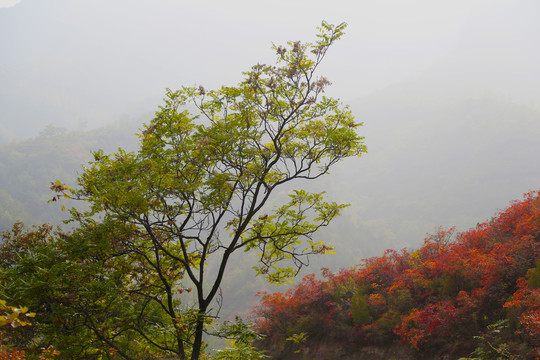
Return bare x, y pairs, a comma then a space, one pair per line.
15, 317
84, 288
199, 187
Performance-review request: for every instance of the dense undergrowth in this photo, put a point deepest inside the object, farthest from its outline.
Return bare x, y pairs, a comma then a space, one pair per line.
474, 293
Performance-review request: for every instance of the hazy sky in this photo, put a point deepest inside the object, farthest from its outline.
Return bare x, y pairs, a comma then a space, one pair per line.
68, 62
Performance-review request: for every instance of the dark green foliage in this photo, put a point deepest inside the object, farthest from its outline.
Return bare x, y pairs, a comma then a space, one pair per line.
85, 288
534, 276
360, 310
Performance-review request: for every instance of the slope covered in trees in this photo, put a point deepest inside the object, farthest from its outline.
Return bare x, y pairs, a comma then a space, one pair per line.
195, 190
27, 168
475, 292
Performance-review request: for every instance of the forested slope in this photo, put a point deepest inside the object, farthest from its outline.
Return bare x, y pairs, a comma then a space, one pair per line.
469, 153
27, 168
433, 160
477, 290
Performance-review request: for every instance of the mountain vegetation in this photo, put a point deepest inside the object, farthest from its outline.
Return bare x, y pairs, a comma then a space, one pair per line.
27, 168
197, 190
474, 293
462, 295
435, 158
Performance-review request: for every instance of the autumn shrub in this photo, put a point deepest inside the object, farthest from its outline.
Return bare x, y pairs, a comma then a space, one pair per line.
524, 309
309, 307
446, 295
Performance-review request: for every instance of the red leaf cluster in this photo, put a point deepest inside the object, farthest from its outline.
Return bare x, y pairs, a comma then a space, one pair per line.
440, 296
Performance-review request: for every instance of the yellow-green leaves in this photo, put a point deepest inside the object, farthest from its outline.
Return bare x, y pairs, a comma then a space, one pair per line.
14, 316
277, 237
209, 165
218, 163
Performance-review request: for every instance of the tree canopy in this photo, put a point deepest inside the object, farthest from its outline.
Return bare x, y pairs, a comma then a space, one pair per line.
200, 185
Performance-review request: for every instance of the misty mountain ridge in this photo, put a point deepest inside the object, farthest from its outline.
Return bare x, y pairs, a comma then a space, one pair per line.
429, 164
432, 161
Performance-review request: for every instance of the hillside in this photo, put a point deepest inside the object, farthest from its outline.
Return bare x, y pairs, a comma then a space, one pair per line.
432, 161
476, 291
469, 153
27, 168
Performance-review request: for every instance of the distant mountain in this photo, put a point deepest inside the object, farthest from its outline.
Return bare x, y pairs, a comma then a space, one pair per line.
435, 158
28, 167
431, 161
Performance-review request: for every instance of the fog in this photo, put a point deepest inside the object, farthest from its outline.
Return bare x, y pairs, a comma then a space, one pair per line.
86, 63
448, 91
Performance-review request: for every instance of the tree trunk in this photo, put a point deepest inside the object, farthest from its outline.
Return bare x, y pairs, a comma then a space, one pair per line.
197, 342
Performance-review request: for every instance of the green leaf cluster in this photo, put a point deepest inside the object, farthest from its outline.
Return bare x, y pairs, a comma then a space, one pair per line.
200, 186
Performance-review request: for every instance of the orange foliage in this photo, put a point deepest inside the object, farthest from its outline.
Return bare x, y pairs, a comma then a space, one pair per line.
444, 293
